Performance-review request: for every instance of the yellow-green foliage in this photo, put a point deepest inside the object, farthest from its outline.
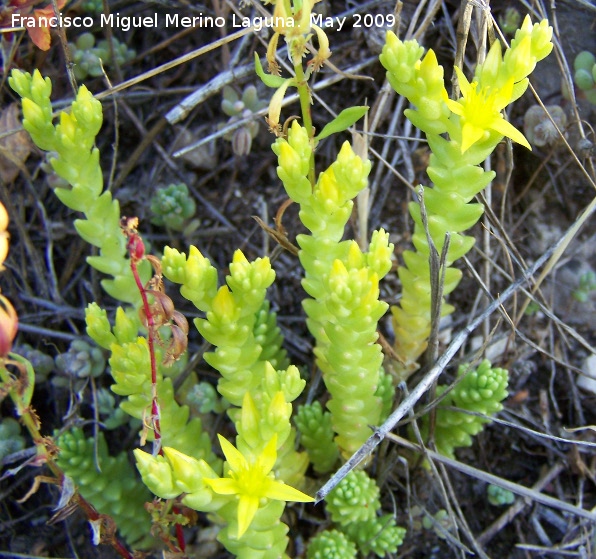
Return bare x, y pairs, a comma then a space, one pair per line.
316, 436
342, 282
131, 370
474, 125
109, 483
477, 396
258, 385
76, 160
355, 507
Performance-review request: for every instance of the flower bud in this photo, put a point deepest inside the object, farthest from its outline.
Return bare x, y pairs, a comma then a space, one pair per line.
275, 106
188, 472
98, 326
40, 87
88, 112
9, 324
3, 235
125, 328
157, 474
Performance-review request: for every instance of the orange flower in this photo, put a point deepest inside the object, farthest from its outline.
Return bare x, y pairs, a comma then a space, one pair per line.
9, 324
3, 236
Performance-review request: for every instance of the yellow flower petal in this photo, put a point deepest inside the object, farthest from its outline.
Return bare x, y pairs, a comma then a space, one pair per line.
247, 508
223, 486
454, 106
507, 129
470, 134
279, 491
268, 456
252, 482
3, 218
464, 85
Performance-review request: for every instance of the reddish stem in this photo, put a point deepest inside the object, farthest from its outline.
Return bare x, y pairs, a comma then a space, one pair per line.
180, 536
136, 250
93, 516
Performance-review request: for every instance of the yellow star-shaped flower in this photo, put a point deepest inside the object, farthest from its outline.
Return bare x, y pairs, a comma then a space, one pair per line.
252, 482
480, 112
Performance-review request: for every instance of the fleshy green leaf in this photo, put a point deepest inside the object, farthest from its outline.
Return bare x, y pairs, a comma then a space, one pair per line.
268, 79
342, 121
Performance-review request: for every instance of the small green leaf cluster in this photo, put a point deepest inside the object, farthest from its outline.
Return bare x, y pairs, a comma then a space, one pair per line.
203, 397
316, 436
92, 6
440, 523
477, 396
11, 440
269, 337
510, 20
355, 507
42, 363
499, 497
242, 108
356, 498
379, 535
587, 284
109, 484
82, 361
111, 415
91, 59
172, 206
331, 544
584, 66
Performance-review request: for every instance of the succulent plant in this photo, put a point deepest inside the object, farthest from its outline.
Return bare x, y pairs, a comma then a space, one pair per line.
172, 207
439, 522
355, 499
587, 284
92, 6
498, 496
80, 362
239, 108
42, 363
510, 21
379, 535
203, 398
584, 66
538, 127
89, 57
480, 391
111, 415
109, 483
11, 440
331, 544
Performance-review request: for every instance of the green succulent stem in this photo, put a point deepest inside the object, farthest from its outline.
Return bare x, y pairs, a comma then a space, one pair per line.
342, 282
474, 125
109, 484
75, 159
466, 408
248, 357
304, 95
